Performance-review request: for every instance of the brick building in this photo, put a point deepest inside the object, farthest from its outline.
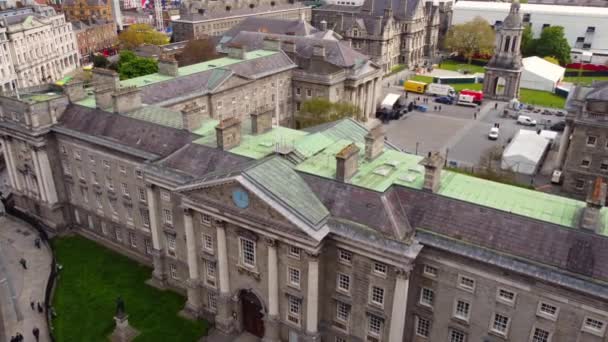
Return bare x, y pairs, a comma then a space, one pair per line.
83, 10
94, 36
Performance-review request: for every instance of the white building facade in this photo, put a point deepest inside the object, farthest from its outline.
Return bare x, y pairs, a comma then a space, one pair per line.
584, 27
39, 47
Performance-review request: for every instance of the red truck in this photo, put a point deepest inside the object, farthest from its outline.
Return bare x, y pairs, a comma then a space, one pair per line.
477, 95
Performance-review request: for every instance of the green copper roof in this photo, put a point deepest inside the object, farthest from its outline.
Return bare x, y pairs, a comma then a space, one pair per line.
158, 115
259, 146
194, 68
277, 177
88, 101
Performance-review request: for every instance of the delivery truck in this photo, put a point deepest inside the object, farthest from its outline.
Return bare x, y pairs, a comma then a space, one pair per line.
415, 86
477, 95
436, 89
466, 100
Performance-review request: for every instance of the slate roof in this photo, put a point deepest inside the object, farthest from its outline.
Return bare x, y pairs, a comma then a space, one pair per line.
89, 2
401, 9
193, 17
336, 52
276, 26
133, 133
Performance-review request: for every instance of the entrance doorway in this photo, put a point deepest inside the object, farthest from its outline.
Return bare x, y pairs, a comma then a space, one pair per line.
252, 313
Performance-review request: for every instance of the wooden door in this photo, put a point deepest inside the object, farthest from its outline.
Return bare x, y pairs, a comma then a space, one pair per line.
252, 314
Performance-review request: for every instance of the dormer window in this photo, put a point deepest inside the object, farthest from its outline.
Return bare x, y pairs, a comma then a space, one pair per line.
355, 33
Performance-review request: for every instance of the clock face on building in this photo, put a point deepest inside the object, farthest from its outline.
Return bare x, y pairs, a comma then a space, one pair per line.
240, 198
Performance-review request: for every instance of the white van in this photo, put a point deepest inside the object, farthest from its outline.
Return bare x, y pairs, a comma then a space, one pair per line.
526, 121
440, 90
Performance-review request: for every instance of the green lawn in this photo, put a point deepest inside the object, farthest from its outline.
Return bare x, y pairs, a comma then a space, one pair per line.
529, 96
586, 80
420, 78
449, 64
90, 281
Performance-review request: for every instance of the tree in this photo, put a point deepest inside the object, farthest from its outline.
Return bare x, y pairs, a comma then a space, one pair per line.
319, 110
527, 42
552, 42
551, 59
140, 34
100, 61
197, 51
470, 38
130, 65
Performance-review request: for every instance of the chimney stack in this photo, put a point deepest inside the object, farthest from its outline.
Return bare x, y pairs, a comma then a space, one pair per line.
318, 50
271, 44
433, 164
596, 199
103, 96
261, 121
191, 117
126, 99
228, 133
106, 77
374, 142
347, 162
74, 90
288, 46
167, 66
323, 26
236, 51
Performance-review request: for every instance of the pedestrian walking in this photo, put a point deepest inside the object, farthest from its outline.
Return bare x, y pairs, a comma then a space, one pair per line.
37, 243
36, 333
23, 263
40, 309
13, 339
440, 108
19, 337
435, 108
32, 305
475, 116
496, 105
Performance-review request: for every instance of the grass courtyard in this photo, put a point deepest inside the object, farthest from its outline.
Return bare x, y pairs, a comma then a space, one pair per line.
585, 80
90, 281
453, 65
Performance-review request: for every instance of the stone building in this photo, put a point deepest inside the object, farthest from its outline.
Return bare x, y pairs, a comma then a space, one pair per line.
327, 68
584, 141
83, 10
41, 46
391, 32
503, 71
331, 234
213, 18
94, 36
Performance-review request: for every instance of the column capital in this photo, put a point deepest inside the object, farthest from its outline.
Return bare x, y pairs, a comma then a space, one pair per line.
404, 271
187, 211
270, 241
314, 255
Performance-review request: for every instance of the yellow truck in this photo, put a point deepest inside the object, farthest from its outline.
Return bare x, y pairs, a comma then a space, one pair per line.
415, 87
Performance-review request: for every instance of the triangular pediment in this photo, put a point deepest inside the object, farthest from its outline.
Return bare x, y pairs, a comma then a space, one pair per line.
232, 81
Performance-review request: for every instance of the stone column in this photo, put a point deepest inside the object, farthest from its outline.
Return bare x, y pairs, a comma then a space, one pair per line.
223, 319
159, 274
368, 92
271, 333
9, 165
563, 146
193, 306
361, 100
39, 176
398, 314
20, 182
312, 299
47, 173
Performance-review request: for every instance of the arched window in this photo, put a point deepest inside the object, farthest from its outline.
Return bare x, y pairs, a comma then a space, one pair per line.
514, 44
507, 42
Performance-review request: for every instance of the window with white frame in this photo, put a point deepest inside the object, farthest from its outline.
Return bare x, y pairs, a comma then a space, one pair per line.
247, 252
77, 155
66, 167
462, 309
207, 242
148, 245
500, 324
113, 206
377, 295
293, 276
591, 140
540, 335
84, 193
504, 295
91, 224
374, 325
77, 216
173, 270
139, 174
423, 326
123, 169
133, 239
165, 196
109, 183
125, 189
342, 311
98, 200
106, 164
294, 308
547, 310
91, 159
430, 271
145, 217
427, 296
168, 216
212, 301
343, 282
466, 283
129, 213
64, 150
211, 271
79, 172
142, 194
457, 336
594, 326
380, 268
205, 219
171, 242
118, 234
345, 256
294, 251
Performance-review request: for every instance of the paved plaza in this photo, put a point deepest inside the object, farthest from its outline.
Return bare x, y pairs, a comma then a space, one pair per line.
19, 287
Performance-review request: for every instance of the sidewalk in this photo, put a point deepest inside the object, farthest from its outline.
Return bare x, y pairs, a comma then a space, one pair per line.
18, 287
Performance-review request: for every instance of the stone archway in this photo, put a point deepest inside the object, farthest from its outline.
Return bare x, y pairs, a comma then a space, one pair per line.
252, 313
499, 86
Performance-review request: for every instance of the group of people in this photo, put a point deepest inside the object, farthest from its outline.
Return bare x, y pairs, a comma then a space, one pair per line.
20, 338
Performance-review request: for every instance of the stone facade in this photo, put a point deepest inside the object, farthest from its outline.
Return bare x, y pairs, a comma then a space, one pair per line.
83, 10
503, 71
94, 36
391, 32
202, 19
42, 46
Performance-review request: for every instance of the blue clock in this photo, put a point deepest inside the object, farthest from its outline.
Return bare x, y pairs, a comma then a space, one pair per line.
240, 198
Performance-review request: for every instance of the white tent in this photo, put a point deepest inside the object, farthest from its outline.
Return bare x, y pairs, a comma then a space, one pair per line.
525, 152
540, 75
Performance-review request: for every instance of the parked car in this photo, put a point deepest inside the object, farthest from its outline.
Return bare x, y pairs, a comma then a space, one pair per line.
445, 100
493, 134
558, 127
525, 120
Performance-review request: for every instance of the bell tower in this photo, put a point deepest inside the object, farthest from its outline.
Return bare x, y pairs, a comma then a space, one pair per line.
503, 72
